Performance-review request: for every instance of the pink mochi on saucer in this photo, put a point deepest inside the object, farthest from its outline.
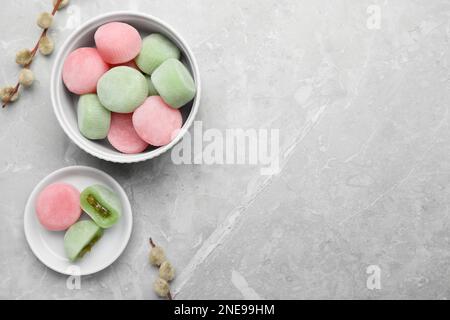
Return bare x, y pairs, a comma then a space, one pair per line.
82, 69
122, 135
58, 206
156, 122
117, 42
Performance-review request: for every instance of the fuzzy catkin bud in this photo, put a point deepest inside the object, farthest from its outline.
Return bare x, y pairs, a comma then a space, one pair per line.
157, 256
5, 94
46, 45
24, 57
161, 287
166, 271
45, 20
26, 77
63, 3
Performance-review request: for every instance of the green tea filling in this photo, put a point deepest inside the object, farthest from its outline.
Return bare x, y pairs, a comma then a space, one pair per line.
101, 210
89, 246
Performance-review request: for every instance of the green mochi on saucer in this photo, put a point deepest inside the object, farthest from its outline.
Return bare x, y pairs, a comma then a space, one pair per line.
102, 205
151, 88
174, 83
122, 89
80, 238
93, 119
155, 50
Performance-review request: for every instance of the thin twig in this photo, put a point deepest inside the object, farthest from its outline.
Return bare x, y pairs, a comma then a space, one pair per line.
33, 54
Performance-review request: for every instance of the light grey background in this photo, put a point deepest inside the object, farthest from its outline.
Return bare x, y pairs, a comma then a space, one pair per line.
363, 117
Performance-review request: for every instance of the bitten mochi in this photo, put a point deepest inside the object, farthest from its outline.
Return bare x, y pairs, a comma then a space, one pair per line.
117, 42
102, 205
80, 238
156, 122
58, 206
82, 69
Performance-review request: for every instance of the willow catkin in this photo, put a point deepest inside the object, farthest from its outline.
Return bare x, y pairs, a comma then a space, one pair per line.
6, 94
24, 57
161, 287
157, 256
166, 271
46, 45
45, 20
26, 77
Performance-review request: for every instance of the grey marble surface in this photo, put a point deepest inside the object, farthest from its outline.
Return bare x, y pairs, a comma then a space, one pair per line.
363, 114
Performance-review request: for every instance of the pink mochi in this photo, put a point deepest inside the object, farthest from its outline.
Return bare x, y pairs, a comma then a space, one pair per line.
58, 206
122, 135
156, 122
82, 70
117, 42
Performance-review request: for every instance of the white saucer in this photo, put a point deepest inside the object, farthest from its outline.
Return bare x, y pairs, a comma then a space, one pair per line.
48, 246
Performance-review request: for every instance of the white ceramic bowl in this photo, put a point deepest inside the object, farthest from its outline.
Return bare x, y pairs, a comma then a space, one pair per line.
64, 102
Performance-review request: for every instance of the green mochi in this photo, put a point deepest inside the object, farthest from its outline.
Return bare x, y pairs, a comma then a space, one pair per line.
93, 119
155, 50
122, 89
151, 88
80, 238
174, 83
102, 205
